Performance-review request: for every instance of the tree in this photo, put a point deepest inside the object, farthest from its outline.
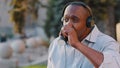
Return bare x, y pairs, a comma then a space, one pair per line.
18, 15
19, 10
117, 12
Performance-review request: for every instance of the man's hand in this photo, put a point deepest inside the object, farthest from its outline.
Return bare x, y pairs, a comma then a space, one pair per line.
70, 32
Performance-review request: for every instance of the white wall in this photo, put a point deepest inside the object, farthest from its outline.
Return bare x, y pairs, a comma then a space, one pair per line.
42, 13
4, 15
118, 32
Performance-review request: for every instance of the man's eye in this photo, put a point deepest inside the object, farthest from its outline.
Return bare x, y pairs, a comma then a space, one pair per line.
66, 19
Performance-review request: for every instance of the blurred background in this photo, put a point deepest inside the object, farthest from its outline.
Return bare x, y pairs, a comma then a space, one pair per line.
29, 26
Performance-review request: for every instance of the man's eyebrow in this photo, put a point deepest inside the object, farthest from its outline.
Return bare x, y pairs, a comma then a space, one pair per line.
75, 17
72, 16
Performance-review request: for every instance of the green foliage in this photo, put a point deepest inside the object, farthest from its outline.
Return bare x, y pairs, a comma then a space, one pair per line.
18, 11
36, 66
17, 15
117, 12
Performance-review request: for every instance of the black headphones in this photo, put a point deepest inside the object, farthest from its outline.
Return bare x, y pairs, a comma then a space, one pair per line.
89, 20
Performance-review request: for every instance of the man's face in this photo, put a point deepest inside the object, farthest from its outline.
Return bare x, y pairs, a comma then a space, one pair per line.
76, 15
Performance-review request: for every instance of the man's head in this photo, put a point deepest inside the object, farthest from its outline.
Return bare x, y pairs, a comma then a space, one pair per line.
80, 16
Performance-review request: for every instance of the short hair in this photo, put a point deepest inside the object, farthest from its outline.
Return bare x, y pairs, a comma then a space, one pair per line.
79, 3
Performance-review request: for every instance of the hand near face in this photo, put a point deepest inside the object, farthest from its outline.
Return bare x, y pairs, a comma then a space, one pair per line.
70, 32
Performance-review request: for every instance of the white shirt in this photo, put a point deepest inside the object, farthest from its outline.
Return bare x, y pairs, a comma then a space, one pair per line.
63, 55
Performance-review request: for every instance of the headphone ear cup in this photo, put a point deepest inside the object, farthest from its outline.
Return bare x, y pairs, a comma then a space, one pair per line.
89, 22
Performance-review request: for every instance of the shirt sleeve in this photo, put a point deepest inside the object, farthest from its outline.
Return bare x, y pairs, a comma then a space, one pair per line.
111, 57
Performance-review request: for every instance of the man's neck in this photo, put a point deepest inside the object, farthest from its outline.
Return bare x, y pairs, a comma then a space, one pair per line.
87, 32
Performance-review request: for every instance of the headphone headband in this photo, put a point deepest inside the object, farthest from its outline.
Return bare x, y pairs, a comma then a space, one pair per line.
80, 4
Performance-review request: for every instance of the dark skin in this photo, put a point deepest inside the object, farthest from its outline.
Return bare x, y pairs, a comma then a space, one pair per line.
74, 28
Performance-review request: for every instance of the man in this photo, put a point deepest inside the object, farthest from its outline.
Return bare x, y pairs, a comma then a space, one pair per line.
85, 46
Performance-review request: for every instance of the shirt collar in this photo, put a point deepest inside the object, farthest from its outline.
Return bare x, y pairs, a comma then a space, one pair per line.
93, 35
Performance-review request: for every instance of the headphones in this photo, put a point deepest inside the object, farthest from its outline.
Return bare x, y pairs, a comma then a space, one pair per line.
89, 20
